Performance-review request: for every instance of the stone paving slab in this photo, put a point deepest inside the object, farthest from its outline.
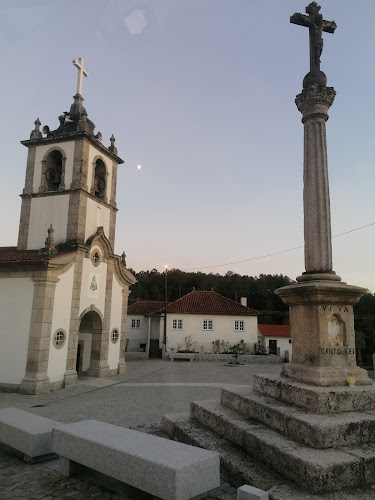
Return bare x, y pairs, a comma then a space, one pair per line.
137, 399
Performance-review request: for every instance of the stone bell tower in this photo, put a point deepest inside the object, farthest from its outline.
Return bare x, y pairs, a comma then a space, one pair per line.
70, 180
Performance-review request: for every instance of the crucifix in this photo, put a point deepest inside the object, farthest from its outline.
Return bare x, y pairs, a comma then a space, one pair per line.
316, 24
81, 72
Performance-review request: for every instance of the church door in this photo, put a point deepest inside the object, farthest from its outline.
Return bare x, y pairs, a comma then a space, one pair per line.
89, 344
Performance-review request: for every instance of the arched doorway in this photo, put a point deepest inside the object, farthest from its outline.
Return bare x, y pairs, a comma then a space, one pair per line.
89, 344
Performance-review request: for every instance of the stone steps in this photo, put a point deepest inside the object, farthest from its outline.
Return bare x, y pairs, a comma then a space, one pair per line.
316, 399
236, 466
313, 430
317, 470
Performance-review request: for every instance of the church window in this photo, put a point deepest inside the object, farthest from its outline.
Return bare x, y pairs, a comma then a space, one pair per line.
114, 335
239, 325
177, 324
95, 258
207, 324
99, 179
136, 323
59, 338
54, 167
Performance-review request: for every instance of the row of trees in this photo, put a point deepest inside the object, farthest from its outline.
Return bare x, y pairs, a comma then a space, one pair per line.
258, 290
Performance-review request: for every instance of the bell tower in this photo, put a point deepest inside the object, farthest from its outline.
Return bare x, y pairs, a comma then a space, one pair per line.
70, 180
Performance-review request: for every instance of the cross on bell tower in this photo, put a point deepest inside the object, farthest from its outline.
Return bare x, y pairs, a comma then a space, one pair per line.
81, 73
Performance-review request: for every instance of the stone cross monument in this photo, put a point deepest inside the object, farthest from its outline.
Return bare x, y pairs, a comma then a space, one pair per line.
321, 306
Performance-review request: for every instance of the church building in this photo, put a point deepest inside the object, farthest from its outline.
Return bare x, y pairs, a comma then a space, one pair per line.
63, 291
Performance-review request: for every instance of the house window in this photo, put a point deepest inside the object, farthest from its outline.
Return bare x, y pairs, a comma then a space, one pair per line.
136, 323
290, 341
207, 324
177, 324
239, 325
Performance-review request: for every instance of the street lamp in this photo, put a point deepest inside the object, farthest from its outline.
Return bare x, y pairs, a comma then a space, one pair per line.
165, 313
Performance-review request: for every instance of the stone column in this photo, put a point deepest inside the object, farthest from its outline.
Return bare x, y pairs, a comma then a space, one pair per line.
36, 380
314, 103
122, 364
320, 305
70, 376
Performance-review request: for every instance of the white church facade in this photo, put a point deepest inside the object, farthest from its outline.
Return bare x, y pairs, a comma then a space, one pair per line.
63, 291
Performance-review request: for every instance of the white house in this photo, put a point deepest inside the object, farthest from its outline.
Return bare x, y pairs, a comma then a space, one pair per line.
206, 321
63, 291
276, 340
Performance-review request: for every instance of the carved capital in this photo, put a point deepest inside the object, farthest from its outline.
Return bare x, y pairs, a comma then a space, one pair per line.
315, 97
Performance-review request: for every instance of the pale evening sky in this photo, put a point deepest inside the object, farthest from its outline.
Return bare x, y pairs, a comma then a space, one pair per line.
200, 93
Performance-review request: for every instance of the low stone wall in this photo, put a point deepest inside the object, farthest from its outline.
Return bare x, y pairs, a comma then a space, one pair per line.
135, 356
246, 358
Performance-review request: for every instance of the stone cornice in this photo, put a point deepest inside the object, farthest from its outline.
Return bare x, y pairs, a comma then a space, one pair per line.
73, 137
66, 192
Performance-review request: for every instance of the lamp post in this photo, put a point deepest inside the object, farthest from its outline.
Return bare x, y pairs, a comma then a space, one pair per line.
165, 313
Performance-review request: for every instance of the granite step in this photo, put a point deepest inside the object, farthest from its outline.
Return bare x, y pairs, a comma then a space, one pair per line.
316, 399
236, 466
314, 430
315, 470
239, 468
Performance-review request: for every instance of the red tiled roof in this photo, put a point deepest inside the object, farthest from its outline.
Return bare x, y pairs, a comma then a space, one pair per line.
145, 306
10, 255
274, 330
208, 303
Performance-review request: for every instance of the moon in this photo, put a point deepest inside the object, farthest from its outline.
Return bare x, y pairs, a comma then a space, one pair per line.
139, 167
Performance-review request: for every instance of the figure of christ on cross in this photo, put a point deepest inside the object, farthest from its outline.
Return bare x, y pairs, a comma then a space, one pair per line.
81, 72
316, 24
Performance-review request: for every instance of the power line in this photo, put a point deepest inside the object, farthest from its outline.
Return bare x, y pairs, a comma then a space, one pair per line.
274, 253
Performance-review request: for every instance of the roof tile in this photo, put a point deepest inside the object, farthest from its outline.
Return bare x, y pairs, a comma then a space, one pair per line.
274, 330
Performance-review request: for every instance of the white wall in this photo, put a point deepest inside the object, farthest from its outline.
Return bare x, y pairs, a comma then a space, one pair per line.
88, 297
60, 319
136, 336
96, 216
68, 148
16, 300
116, 316
223, 329
45, 211
86, 340
282, 343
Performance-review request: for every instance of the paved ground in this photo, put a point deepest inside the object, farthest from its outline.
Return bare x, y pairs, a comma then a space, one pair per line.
137, 399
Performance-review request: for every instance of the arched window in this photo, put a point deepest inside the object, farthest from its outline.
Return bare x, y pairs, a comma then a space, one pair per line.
99, 179
54, 170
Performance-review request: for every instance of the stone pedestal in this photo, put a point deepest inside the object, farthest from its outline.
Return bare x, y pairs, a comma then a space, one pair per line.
322, 332
35, 385
70, 378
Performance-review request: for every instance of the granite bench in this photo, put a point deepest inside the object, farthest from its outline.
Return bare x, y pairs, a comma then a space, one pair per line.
182, 355
166, 469
27, 433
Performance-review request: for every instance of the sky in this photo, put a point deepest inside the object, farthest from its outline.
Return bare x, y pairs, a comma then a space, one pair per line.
200, 94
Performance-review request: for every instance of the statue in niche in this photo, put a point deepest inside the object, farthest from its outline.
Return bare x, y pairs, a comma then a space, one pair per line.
336, 328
